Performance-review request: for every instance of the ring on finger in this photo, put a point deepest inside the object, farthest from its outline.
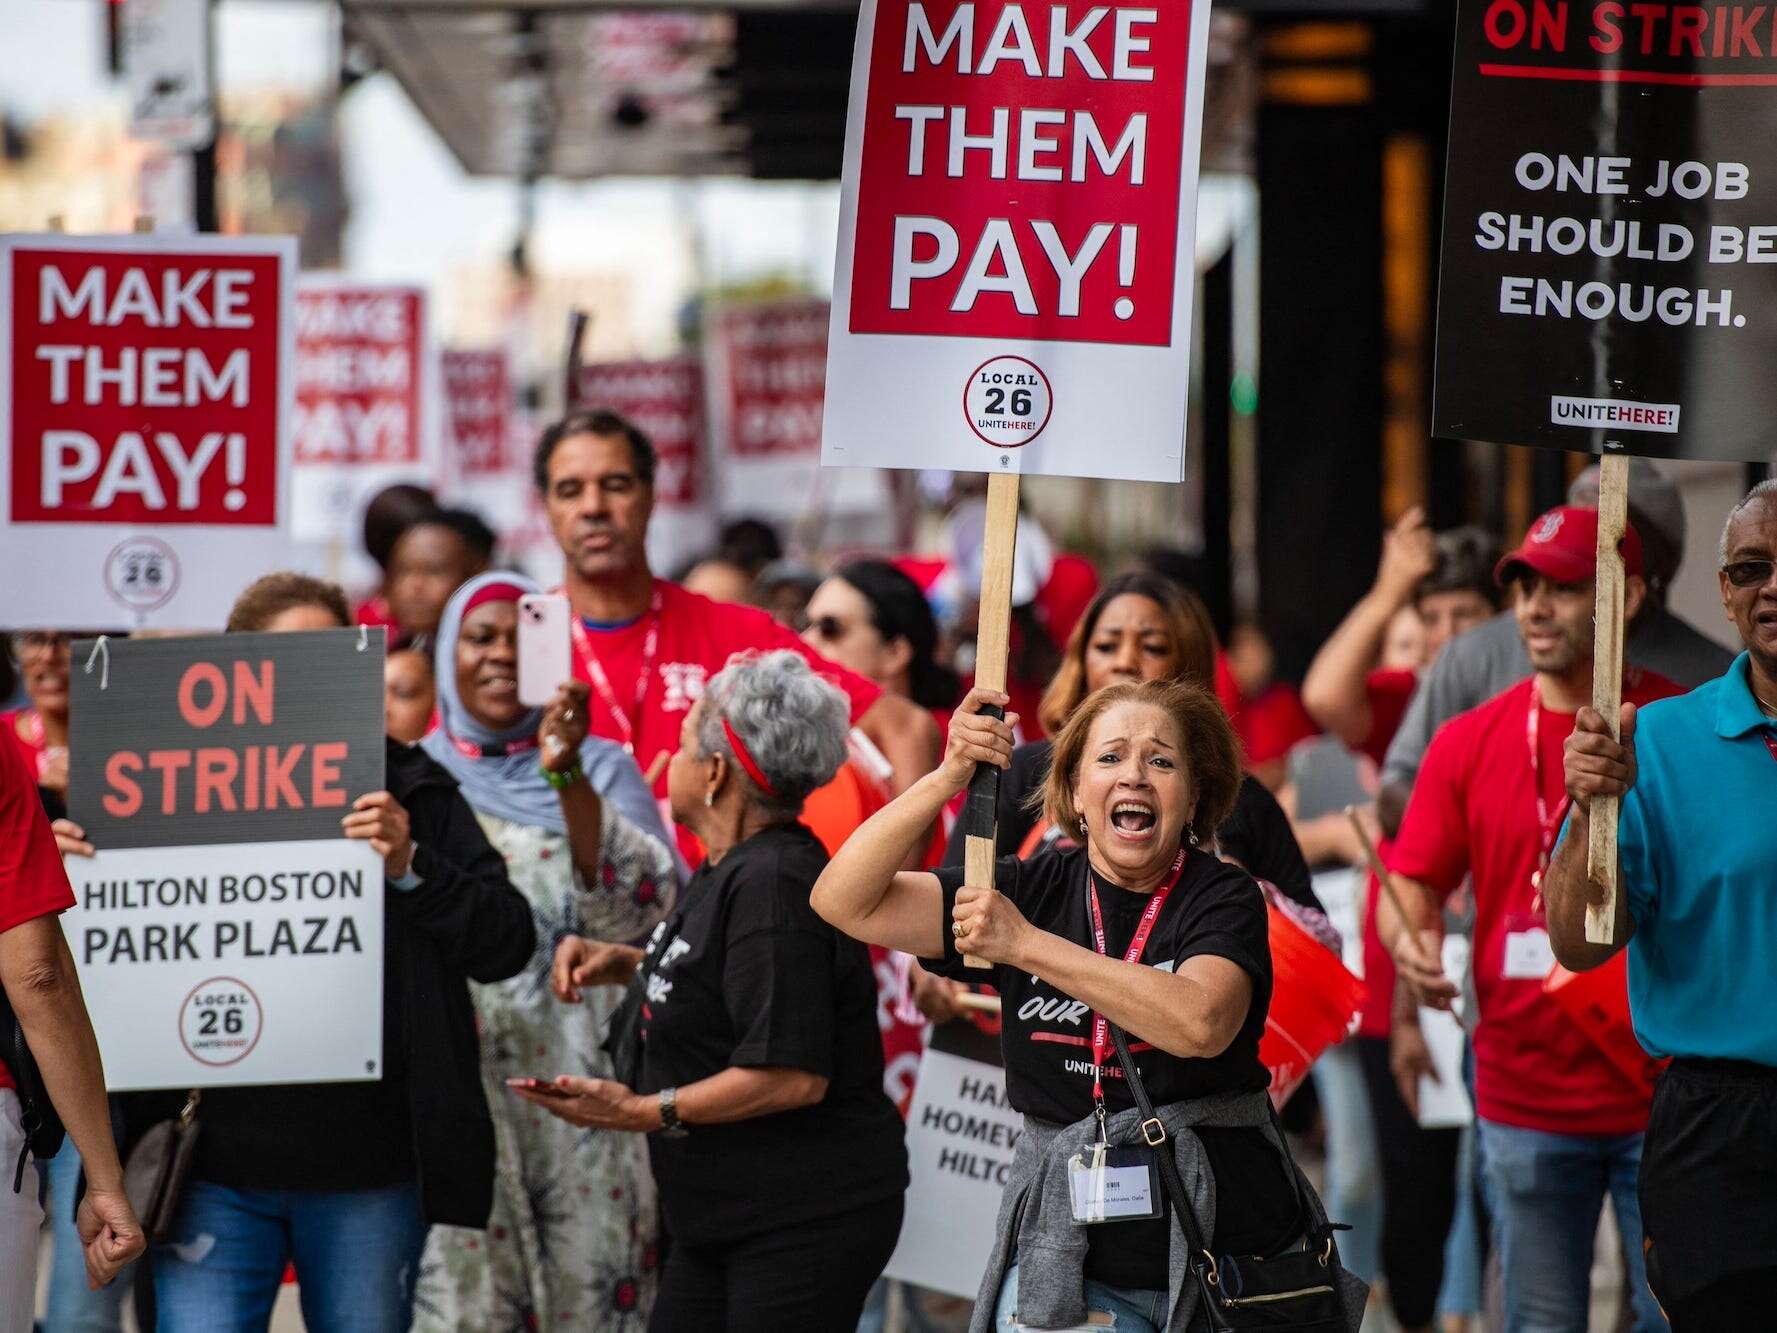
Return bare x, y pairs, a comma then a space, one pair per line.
957, 928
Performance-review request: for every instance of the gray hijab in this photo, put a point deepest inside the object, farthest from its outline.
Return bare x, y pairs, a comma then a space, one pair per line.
511, 785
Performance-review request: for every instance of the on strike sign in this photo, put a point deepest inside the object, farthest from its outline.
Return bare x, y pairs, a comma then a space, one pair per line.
1016, 238
1610, 228
144, 401
225, 932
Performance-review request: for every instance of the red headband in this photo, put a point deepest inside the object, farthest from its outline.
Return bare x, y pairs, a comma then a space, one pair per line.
492, 592
744, 757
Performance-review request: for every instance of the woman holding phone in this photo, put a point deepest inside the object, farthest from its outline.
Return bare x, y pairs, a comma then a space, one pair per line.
571, 1243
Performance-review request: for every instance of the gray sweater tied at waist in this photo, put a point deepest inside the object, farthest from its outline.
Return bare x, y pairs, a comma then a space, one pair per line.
1037, 1231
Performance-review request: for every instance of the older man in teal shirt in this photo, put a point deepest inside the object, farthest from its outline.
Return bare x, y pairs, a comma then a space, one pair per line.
1698, 911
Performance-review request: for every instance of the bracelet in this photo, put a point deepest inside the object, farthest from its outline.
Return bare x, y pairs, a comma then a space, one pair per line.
561, 781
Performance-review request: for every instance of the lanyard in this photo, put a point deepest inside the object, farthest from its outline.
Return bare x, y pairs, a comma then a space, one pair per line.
498, 750
595, 673
1548, 825
1101, 1029
1771, 742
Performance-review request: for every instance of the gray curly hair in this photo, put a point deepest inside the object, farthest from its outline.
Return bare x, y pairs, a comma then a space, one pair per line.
792, 722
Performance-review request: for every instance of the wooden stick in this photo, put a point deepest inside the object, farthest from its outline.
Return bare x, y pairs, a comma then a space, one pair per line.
1383, 878
1607, 685
981, 1004
993, 644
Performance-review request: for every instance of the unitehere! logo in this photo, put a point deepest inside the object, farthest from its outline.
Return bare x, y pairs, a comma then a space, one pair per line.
1007, 401
1614, 414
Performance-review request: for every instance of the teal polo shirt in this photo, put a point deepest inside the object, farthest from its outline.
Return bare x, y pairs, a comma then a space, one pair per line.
1698, 841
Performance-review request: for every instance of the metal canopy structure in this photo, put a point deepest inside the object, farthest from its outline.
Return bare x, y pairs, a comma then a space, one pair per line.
584, 90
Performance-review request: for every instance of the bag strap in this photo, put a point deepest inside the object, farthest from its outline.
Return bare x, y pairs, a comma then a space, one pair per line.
1154, 1134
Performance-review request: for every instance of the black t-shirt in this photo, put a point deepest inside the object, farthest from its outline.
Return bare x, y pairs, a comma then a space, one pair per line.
745, 974
1046, 1039
1257, 834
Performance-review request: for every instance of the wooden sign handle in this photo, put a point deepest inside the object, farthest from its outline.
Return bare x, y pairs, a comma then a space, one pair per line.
1607, 684
993, 645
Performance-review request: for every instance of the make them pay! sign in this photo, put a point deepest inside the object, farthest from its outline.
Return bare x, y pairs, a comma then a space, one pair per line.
1609, 275
225, 932
144, 404
1016, 250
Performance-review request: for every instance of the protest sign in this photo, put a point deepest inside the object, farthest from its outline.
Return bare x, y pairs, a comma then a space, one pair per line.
1015, 274
144, 403
368, 403
961, 1134
478, 401
167, 56
665, 400
225, 932
768, 381
1610, 226
488, 464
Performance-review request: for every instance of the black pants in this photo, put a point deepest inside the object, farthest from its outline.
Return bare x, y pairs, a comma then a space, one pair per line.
812, 1278
1418, 1191
1709, 1195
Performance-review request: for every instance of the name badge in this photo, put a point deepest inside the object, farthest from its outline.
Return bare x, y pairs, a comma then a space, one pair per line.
1114, 1184
1529, 955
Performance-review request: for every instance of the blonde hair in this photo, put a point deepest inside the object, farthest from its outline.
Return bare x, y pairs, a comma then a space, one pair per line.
1210, 753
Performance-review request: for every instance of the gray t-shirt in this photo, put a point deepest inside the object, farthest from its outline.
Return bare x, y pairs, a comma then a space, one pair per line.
1490, 658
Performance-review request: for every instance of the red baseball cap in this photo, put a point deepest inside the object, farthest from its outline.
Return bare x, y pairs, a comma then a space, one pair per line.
1563, 545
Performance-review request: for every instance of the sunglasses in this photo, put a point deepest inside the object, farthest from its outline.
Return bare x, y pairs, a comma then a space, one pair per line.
1749, 573
39, 643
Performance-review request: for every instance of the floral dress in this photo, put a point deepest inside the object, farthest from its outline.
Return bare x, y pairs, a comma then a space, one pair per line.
571, 1242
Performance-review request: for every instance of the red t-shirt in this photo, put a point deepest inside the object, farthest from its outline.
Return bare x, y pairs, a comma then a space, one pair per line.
1474, 811
32, 881
1389, 693
697, 636
25, 727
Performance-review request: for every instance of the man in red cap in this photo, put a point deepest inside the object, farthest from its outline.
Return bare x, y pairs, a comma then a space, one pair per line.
1560, 1125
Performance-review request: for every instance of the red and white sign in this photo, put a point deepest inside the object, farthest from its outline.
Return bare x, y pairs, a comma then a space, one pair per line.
768, 368
665, 400
478, 393
1015, 273
367, 401
145, 395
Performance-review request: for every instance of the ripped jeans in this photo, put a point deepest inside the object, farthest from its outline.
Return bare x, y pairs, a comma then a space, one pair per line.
356, 1254
1108, 1309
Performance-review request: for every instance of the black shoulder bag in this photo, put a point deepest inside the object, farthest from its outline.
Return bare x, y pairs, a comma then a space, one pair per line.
43, 1127
1297, 1290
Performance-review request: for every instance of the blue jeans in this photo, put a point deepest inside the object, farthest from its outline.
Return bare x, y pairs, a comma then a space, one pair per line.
1131, 1311
1545, 1192
72, 1307
1354, 1175
1460, 1293
356, 1254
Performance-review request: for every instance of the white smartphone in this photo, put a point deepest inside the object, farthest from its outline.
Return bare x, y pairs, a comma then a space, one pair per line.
545, 656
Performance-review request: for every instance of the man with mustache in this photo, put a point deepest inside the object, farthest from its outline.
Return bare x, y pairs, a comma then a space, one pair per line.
645, 645
1697, 910
1560, 1126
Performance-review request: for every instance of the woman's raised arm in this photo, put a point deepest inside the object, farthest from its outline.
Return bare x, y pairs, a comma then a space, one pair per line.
863, 891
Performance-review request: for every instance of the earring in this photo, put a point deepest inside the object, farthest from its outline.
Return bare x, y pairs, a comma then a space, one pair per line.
709, 799
1083, 832
1192, 834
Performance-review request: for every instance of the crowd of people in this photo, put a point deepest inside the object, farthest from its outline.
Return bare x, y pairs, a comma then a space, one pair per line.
660, 953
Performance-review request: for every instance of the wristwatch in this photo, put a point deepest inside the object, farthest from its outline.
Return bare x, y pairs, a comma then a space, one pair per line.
671, 1127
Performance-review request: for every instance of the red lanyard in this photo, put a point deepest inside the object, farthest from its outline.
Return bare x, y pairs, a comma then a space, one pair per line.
1101, 1030
1548, 826
470, 750
1771, 742
626, 726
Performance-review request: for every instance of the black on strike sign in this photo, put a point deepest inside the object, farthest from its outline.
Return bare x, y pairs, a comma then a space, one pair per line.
226, 931
1610, 228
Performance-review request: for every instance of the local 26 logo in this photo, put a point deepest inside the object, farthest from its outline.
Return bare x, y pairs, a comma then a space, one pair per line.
220, 1021
1007, 401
